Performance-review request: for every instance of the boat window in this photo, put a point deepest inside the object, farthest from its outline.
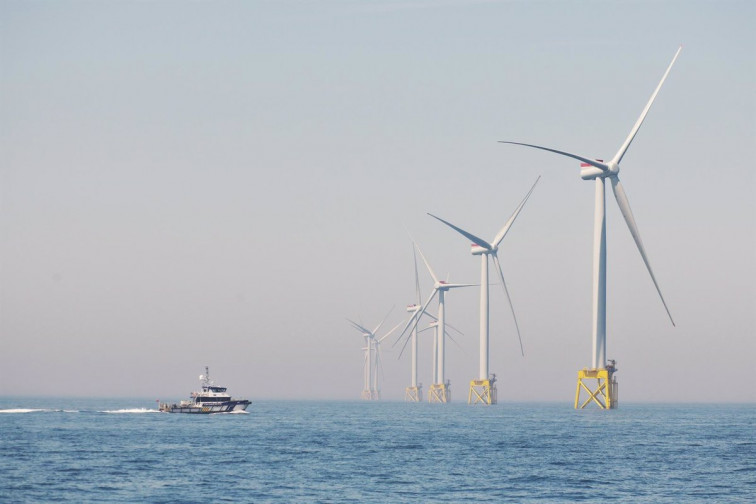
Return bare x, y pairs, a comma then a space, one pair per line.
214, 399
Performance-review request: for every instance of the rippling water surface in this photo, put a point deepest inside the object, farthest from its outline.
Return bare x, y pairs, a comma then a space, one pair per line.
67, 450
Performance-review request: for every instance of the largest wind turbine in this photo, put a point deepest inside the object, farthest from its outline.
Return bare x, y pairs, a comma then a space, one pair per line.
598, 170
483, 389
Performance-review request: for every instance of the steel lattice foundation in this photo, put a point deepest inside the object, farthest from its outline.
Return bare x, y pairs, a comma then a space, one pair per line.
482, 392
439, 393
371, 395
413, 394
601, 387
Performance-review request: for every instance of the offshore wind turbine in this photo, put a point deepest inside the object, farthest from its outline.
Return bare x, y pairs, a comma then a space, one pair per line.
439, 390
378, 362
368, 390
414, 393
483, 389
371, 391
605, 395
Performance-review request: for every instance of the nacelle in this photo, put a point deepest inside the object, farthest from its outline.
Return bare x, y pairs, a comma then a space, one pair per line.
476, 249
590, 172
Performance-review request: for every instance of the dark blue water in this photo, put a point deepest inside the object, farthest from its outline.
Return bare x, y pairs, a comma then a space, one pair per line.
335, 452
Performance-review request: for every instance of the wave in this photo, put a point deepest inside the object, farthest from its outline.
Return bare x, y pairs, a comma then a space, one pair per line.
25, 410
37, 410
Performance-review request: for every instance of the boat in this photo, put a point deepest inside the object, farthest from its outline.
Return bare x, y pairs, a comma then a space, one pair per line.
211, 399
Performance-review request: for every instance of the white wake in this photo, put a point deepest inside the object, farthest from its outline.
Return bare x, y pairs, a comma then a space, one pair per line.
132, 410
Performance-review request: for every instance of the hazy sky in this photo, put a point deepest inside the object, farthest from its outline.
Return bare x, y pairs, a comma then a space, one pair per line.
223, 183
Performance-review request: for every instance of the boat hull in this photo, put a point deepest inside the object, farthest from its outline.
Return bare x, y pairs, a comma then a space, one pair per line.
205, 409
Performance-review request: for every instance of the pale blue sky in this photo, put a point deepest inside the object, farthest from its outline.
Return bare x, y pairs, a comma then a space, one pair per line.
222, 183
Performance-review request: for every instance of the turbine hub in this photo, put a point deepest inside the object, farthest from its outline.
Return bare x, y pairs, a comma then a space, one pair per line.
476, 249
613, 168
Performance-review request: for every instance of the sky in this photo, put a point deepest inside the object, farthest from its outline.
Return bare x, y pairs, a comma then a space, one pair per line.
223, 184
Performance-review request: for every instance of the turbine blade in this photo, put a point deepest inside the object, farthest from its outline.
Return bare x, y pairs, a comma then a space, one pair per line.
624, 204
406, 340
455, 342
430, 270
592, 162
509, 299
500, 236
446, 324
390, 332
417, 278
414, 319
412, 322
454, 286
358, 326
478, 241
382, 321
621, 152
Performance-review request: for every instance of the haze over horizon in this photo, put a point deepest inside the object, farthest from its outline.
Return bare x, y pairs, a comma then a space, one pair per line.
224, 183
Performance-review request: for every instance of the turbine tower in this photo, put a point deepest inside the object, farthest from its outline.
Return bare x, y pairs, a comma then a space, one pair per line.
414, 393
483, 389
371, 391
439, 390
605, 393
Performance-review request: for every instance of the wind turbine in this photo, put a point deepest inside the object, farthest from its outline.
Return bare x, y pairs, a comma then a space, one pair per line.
414, 392
483, 389
378, 362
371, 391
439, 390
598, 170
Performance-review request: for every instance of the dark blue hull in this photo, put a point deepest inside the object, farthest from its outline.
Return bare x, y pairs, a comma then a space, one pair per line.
206, 408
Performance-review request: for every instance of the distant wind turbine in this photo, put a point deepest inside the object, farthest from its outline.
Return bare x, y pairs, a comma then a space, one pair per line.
482, 388
371, 390
439, 391
598, 170
414, 393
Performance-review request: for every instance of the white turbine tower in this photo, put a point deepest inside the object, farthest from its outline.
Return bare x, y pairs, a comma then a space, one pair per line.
371, 391
598, 170
439, 390
368, 390
483, 389
378, 362
414, 393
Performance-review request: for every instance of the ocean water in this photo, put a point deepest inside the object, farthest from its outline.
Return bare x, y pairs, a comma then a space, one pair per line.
68, 450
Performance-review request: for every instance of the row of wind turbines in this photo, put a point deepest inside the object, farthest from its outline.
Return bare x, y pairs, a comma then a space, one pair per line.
598, 381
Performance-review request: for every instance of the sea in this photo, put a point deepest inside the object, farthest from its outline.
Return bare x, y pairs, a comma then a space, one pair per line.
124, 450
